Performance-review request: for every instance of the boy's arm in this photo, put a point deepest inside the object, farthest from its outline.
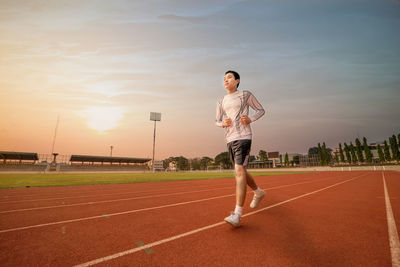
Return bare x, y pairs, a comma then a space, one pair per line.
219, 114
254, 104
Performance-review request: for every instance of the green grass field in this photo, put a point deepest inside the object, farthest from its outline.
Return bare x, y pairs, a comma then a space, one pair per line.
11, 180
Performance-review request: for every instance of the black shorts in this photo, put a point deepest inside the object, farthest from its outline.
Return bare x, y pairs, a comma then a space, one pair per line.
239, 151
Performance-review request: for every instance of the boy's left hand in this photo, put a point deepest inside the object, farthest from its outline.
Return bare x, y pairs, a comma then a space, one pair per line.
245, 120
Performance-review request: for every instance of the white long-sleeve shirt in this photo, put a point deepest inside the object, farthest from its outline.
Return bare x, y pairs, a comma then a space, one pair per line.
233, 106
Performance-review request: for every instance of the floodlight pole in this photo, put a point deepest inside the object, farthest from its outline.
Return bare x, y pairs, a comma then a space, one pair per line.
154, 116
55, 135
154, 142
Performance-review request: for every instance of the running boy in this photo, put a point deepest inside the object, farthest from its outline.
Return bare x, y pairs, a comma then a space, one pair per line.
233, 115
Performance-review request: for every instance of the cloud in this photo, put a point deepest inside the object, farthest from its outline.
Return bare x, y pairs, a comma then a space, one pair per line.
182, 18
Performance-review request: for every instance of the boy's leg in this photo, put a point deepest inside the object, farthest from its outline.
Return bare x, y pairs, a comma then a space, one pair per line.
239, 152
250, 180
259, 194
241, 184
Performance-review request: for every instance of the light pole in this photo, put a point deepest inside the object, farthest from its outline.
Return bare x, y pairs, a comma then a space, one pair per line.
154, 116
111, 148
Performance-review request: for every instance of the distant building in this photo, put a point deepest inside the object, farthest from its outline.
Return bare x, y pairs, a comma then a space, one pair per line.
309, 160
158, 165
274, 156
272, 162
294, 159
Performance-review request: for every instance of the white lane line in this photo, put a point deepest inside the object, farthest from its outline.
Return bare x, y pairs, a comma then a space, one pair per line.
129, 199
130, 251
87, 196
138, 210
113, 200
392, 230
112, 214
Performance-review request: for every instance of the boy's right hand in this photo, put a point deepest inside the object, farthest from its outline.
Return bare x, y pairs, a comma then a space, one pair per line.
227, 122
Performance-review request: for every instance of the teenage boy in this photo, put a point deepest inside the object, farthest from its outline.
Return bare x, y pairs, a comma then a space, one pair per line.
233, 116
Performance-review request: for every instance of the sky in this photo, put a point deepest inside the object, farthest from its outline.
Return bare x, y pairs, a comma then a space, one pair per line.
325, 71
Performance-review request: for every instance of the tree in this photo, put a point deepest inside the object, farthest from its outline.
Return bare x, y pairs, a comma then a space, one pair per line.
336, 158
353, 153
326, 154
348, 154
359, 151
167, 161
223, 159
395, 148
183, 163
341, 153
397, 142
398, 139
286, 159
320, 155
386, 151
367, 151
391, 148
262, 155
252, 158
194, 164
204, 162
381, 155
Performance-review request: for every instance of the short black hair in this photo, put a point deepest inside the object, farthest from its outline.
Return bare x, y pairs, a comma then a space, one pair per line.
237, 76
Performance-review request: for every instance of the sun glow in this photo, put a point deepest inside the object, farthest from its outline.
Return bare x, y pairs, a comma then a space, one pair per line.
103, 119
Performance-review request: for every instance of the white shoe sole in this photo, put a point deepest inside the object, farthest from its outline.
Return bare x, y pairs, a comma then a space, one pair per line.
232, 223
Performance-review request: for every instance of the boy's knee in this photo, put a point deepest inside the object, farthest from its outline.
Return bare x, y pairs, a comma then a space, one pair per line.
240, 171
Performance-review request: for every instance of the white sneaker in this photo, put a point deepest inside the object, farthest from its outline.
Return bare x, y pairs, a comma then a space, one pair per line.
256, 200
233, 219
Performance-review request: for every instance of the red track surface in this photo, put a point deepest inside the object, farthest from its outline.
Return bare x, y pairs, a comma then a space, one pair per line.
341, 225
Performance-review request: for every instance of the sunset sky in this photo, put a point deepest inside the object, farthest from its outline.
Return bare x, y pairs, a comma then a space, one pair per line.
325, 71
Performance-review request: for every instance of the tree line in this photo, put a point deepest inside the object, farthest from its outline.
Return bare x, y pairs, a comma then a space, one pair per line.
352, 153
358, 153
221, 160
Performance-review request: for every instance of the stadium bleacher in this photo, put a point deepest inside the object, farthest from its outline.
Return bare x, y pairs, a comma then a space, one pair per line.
101, 163
11, 161
23, 161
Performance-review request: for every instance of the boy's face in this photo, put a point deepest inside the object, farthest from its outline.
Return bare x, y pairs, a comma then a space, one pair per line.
230, 83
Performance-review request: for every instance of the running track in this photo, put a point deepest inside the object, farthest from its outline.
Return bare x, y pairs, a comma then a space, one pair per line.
314, 219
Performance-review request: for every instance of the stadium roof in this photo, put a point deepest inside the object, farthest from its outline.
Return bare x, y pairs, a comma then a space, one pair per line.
84, 158
18, 155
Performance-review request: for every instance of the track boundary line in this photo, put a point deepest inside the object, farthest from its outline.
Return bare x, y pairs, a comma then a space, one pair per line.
142, 197
392, 229
156, 243
138, 210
